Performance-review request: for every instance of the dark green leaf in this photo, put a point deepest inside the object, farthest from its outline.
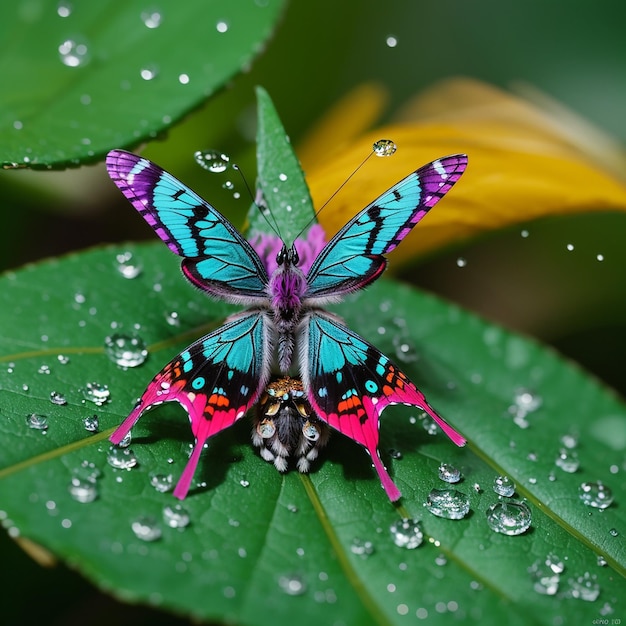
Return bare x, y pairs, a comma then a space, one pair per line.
114, 74
244, 543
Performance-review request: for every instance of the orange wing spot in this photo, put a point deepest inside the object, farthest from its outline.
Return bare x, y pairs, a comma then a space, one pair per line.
351, 405
218, 400
387, 390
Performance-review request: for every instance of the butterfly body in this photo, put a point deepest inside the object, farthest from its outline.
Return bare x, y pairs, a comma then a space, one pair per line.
346, 381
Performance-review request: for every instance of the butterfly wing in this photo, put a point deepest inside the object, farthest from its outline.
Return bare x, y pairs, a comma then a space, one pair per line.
216, 380
349, 383
354, 257
217, 259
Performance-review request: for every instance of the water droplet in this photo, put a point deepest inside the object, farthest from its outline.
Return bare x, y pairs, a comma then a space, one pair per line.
601, 561
596, 495
126, 350
149, 71
614, 532
395, 454
555, 563
183, 79
292, 508
64, 9
162, 482
569, 441
391, 41
584, 587
172, 318
407, 533
449, 473
152, 18
292, 584
509, 518
384, 147
221, 26
58, 398
504, 486
545, 581
126, 441
570, 247
600, 257
244, 483
448, 503
121, 458
44, 369
477, 488
127, 265
63, 359
97, 393
146, 528
524, 402
212, 160
91, 423
461, 262
176, 516
567, 460
74, 52
362, 548
83, 491
87, 471
37, 422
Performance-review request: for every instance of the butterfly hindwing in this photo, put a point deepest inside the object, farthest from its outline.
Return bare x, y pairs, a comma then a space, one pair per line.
353, 257
216, 380
217, 259
349, 383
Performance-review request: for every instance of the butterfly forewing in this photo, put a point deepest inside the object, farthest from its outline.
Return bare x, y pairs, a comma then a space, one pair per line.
353, 257
217, 259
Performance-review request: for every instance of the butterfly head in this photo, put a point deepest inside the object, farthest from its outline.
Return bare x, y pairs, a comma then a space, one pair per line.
287, 256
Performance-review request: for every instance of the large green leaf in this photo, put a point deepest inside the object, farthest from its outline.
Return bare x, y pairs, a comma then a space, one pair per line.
81, 78
252, 530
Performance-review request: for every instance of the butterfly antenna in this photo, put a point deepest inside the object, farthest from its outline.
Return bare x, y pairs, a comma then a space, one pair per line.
343, 184
257, 200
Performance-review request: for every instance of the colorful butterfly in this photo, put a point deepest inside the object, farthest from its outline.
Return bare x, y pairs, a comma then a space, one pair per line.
346, 381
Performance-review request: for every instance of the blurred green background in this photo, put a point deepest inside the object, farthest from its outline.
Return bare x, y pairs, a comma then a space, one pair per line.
573, 51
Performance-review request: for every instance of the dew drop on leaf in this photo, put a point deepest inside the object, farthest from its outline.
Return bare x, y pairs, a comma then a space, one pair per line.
126, 350
567, 460
162, 482
58, 398
97, 393
172, 318
121, 458
91, 423
362, 548
595, 494
509, 518
82, 490
176, 516
545, 581
384, 147
212, 160
449, 473
63, 359
555, 563
37, 421
292, 584
447, 503
146, 528
152, 18
584, 587
503, 486
407, 533
43, 369
64, 9
127, 265
74, 52
149, 72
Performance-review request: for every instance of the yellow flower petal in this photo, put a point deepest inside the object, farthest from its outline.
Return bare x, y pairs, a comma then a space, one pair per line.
520, 168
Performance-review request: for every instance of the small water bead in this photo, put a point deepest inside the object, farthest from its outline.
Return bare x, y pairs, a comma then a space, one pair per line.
172, 318
595, 494
545, 581
162, 482
601, 561
391, 41
555, 563
407, 533
448, 503
37, 422
183, 79
361, 548
503, 486
244, 483
149, 72
176, 516
151, 18
63, 359
58, 398
449, 473
86, 471
569, 441
64, 9
43, 369
509, 518
74, 52
83, 491
126, 441
584, 587
127, 265
91, 423
121, 458
221, 26
395, 454
600, 257
567, 460
97, 393
212, 160
292, 584
461, 262
126, 350
614, 532
146, 528
384, 147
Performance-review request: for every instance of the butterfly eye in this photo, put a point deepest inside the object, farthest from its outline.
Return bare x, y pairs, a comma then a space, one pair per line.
280, 257
294, 257
266, 428
311, 431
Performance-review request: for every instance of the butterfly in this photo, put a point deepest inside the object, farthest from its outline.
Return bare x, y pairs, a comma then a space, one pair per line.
346, 382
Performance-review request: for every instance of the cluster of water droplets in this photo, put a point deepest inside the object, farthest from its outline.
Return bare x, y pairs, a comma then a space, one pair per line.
83, 485
524, 403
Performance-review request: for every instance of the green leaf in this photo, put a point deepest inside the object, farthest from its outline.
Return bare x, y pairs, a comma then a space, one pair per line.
280, 178
248, 548
114, 74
